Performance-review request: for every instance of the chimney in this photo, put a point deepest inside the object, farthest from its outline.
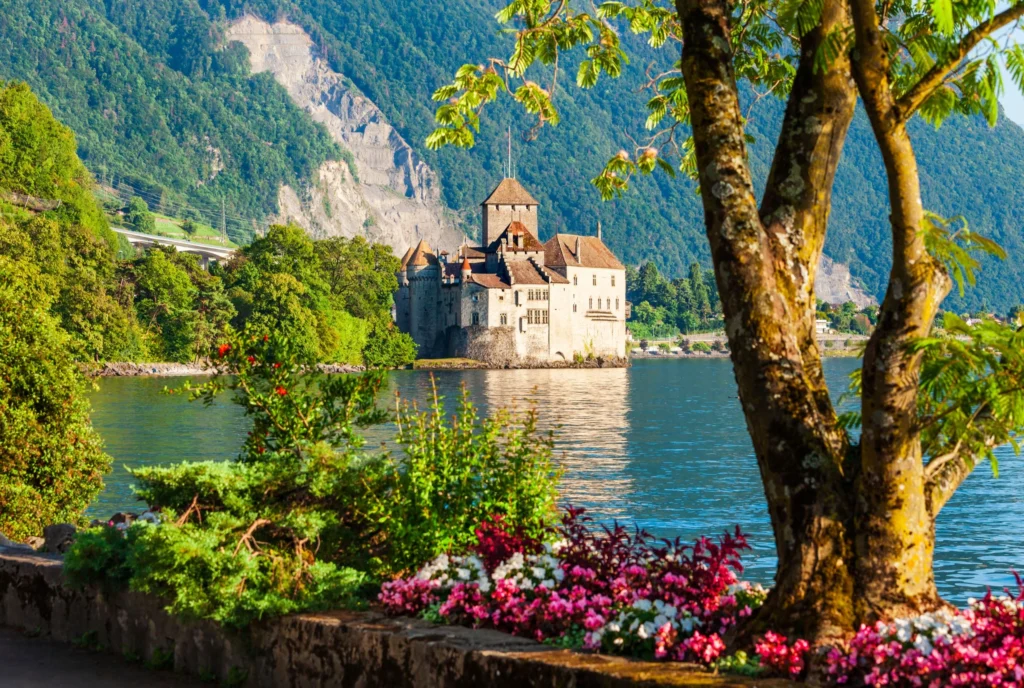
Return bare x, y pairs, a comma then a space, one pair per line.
579, 247
598, 229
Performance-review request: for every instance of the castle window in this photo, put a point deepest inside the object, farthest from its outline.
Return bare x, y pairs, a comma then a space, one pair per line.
536, 316
598, 303
545, 294
613, 280
616, 304
476, 318
591, 304
575, 280
595, 280
476, 297
504, 318
574, 308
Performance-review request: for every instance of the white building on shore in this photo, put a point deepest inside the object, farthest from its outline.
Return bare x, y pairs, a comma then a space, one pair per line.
514, 298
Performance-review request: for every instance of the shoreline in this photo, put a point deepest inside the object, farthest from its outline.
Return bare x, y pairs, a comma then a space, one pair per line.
201, 369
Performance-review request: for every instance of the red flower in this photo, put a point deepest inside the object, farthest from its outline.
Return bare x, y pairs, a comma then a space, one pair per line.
281, 391
277, 365
252, 360
223, 349
265, 337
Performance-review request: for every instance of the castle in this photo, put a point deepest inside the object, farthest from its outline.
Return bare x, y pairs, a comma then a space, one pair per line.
514, 299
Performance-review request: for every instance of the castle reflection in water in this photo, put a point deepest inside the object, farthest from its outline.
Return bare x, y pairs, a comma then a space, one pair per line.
588, 411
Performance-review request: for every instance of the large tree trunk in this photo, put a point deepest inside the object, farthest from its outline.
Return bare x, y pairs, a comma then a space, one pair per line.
765, 263
894, 524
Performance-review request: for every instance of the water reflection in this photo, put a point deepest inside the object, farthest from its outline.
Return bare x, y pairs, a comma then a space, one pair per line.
587, 410
663, 442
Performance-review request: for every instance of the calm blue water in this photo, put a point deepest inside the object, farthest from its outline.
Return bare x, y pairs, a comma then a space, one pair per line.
662, 443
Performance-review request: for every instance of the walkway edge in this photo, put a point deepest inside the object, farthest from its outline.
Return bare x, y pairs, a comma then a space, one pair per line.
346, 649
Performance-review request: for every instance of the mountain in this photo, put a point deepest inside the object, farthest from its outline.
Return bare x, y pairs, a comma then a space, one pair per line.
163, 102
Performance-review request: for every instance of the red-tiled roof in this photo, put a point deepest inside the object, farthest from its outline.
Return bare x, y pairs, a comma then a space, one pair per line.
422, 255
510, 192
488, 281
560, 251
514, 230
526, 272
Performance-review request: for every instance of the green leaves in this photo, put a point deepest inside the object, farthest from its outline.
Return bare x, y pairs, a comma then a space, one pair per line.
942, 11
955, 248
800, 16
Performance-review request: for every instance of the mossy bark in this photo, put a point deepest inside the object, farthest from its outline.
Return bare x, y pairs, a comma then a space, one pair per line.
853, 531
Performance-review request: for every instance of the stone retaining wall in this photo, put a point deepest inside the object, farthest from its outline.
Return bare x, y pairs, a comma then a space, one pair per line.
344, 649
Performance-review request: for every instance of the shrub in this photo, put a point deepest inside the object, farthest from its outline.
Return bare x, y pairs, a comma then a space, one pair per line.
51, 459
664, 346
305, 517
701, 348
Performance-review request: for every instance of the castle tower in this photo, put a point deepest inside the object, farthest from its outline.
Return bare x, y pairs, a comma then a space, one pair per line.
508, 202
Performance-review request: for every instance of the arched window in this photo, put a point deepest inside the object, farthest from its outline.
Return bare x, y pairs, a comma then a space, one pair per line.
595, 280
575, 280
591, 302
613, 280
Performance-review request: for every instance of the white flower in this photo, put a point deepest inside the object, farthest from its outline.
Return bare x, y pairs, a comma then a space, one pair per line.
687, 624
559, 575
632, 626
614, 627
537, 572
642, 633
923, 644
463, 574
959, 626
660, 620
527, 584
904, 631
618, 641
548, 583
642, 605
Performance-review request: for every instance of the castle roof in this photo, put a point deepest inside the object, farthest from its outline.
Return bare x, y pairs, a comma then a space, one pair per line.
528, 272
407, 255
420, 256
517, 229
560, 251
489, 281
510, 192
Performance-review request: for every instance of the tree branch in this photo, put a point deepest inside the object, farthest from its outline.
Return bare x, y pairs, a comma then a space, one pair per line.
908, 104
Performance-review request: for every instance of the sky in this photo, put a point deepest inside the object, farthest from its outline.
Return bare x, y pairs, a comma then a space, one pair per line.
1013, 99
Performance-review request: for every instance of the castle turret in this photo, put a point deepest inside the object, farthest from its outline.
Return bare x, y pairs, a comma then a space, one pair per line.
466, 270
509, 202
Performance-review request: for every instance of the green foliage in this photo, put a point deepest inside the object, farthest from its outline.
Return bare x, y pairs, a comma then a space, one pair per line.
387, 346
139, 217
306, 517
51, 459
701, 348
189, 227
662, 308
740, 663
972, 379
455, 474
152, 93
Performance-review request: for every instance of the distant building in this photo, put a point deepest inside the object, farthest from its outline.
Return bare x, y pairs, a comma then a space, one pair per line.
515, 298
821, 326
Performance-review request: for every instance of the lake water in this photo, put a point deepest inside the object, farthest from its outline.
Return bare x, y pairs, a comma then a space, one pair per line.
662, 443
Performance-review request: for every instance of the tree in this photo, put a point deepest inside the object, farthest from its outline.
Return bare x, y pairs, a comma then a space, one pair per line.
139, 217
51, 459
189, 227
854, 521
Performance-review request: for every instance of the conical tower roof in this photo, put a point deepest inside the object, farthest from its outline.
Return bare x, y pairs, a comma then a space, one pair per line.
422, 255
510, 192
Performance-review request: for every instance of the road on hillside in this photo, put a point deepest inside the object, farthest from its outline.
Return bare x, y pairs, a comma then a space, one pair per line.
37, 663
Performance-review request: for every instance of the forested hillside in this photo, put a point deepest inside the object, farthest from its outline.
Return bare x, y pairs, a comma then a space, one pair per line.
151, 95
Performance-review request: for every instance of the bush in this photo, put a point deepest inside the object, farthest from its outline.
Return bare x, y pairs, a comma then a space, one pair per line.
387, 346
664, 346
305, 517
701, 348
51, 459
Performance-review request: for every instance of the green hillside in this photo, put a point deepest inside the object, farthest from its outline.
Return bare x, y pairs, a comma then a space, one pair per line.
147, 89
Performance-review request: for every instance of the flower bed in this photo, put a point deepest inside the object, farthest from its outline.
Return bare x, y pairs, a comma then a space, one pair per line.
617, 591
599, 589
982, 645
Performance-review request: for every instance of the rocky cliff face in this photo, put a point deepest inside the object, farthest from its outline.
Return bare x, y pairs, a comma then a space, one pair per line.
384, 192
835, 284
